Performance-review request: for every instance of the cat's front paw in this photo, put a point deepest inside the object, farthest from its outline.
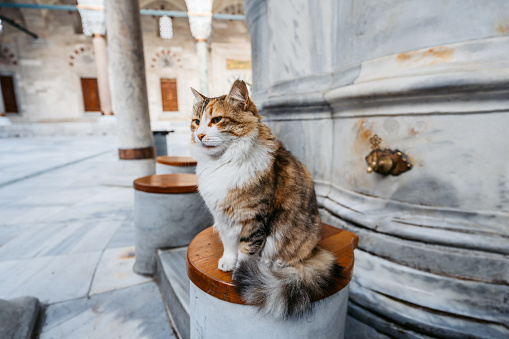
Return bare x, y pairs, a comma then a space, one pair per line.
226, 264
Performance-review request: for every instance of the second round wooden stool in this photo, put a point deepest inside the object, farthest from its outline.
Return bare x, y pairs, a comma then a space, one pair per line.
168, 212
169, 164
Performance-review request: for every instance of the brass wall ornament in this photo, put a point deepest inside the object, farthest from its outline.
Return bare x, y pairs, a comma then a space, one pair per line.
386, 161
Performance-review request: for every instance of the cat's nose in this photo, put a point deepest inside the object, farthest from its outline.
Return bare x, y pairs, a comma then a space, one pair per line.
200, 136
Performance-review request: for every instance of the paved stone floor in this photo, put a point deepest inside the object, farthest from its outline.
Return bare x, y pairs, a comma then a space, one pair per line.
68, 240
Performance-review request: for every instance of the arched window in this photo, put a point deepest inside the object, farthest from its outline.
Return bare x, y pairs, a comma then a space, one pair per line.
165, 27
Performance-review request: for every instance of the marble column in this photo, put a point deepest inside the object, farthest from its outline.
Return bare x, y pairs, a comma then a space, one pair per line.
94, 19
130, 101
203, 68
200, 21
101, 64
430, 77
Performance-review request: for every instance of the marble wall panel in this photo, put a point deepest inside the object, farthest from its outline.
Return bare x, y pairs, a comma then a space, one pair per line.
368, 30
310, 142
450, 155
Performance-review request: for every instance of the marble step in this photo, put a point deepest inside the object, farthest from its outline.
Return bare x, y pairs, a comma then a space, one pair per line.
174, 285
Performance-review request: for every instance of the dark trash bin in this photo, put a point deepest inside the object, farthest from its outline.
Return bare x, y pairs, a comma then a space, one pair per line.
160, 141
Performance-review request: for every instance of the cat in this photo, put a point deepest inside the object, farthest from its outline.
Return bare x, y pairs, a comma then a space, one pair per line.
264, 206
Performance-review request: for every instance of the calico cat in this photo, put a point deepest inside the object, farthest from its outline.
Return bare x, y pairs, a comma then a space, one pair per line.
264, 206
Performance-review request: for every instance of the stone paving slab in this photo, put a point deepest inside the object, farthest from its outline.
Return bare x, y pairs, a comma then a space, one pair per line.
125, 234
136, 312
9, 232
50, 279
115, 271
67, 239
26, 157
57, 238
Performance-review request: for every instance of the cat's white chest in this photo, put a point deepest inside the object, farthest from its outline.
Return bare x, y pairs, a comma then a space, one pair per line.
240, 165
214, 182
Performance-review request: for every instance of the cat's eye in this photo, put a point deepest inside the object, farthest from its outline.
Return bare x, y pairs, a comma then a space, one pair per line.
196, 121
216, 120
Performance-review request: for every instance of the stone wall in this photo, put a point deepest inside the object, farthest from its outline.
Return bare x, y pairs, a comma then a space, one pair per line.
431, 78
47, 70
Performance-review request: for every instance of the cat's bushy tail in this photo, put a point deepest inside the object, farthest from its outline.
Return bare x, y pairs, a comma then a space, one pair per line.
287, 292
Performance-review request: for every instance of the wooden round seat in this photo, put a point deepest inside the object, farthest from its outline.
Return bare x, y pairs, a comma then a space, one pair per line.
167, 183
206, 249
168, 212
176, 161
172, 164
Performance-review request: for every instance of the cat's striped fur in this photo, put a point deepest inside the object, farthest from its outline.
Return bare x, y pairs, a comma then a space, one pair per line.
264, 205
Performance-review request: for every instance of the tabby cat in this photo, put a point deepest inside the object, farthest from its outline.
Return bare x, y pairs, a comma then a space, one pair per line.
264, 206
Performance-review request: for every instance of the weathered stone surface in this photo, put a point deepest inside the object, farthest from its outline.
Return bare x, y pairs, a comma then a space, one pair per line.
433, 250
18, 317
134, 312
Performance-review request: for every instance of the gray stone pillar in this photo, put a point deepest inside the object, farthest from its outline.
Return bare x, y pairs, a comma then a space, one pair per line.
200, 21
130, 102
101, 63
429, 77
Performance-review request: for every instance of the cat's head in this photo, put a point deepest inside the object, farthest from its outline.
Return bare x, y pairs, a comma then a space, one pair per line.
218, 123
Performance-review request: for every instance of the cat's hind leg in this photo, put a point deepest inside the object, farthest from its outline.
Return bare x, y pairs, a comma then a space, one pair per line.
252, 241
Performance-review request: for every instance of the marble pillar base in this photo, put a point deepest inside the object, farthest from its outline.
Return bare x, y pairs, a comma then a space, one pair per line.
124, 172
18, 317
165, 220
107, 119
215, 318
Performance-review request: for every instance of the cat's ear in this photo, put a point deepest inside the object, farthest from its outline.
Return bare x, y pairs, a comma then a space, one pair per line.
197, 95
239, 95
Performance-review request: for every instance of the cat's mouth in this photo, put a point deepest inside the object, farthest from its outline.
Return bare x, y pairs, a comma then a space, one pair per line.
208, 146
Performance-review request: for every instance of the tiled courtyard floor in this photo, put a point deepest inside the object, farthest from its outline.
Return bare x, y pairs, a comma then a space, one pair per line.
68, 240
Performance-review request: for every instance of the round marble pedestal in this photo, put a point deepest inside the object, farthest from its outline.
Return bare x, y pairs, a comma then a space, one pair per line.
215, 318
217, 311
168, 212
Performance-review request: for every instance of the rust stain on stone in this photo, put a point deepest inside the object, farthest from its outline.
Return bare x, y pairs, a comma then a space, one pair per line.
440, 54
430, 56
404, 56
413, 131
364, 132
503, 28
